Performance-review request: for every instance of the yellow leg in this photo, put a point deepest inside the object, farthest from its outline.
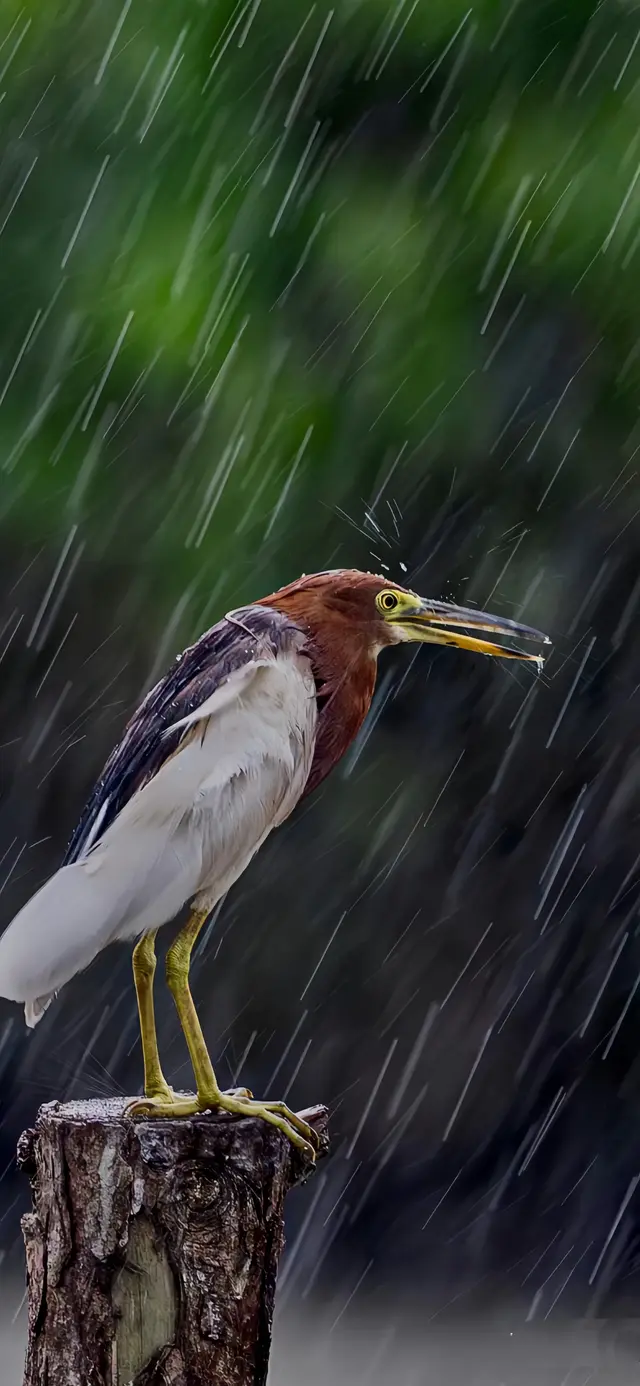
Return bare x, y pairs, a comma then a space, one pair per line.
178, 964
144, 967
209, 1095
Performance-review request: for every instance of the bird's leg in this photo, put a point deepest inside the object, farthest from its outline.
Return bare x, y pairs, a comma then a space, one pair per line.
144, 967
209, 1095
178, 964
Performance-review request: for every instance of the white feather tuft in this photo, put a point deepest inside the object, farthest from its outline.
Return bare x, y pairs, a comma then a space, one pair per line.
34, 1010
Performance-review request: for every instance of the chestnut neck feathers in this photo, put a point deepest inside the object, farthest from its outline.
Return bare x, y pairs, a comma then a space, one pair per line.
337, 612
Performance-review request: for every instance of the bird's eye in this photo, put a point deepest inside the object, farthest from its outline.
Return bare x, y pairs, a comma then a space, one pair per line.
388, 601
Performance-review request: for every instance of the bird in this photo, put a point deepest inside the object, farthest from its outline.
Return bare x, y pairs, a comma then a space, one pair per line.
247, 721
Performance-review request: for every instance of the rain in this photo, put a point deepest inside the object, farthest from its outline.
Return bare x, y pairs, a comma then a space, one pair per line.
290, 290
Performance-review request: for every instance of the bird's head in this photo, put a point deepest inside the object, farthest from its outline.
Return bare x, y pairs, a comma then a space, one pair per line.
378, 612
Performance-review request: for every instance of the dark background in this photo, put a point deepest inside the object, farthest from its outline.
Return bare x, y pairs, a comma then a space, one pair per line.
287, 288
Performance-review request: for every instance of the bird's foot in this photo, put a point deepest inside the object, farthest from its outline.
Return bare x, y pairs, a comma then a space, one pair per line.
276, 1114
159, 1093
239, 1102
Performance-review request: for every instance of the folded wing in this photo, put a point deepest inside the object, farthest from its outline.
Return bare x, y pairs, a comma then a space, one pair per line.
216, 755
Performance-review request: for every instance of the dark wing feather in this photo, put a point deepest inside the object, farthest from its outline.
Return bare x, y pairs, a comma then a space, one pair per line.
194, 677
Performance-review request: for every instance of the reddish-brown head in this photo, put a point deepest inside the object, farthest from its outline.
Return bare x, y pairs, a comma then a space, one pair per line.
338, 607
349, 616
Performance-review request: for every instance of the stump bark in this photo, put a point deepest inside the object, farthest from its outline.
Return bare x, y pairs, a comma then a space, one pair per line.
153, 1245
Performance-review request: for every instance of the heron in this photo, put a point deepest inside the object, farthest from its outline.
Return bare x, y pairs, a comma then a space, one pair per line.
247, 721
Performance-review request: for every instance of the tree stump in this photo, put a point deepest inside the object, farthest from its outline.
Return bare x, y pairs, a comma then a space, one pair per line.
153, 1245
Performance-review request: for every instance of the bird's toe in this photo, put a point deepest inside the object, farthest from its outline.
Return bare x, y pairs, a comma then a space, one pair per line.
274, 1113
294, 1127
297, 1122
160, 1106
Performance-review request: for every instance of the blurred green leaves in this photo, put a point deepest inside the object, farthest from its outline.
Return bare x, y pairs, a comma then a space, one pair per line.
252, 255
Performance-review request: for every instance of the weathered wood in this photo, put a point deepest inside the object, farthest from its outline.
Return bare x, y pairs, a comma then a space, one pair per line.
152, 1248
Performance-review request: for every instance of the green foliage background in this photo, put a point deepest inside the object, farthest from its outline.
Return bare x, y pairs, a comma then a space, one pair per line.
253, 257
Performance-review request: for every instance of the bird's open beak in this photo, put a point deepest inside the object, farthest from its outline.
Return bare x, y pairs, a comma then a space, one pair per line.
442, 623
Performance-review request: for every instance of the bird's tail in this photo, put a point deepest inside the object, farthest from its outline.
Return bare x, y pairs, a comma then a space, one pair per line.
56, 934
128, 883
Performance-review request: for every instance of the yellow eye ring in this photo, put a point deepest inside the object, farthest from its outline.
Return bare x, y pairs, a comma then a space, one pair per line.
387, 601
